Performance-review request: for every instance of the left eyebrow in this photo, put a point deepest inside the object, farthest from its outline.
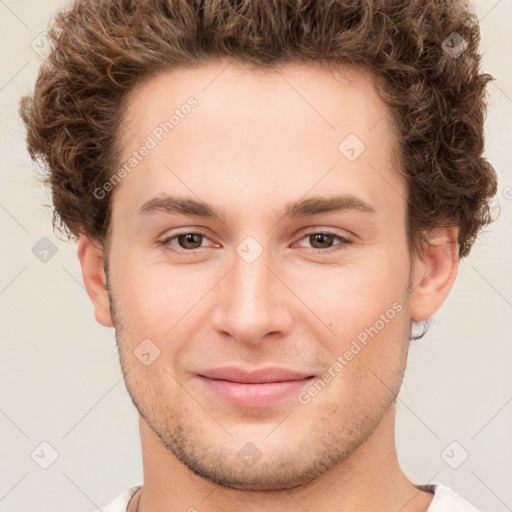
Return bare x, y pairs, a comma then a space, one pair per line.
301, 208
316, 205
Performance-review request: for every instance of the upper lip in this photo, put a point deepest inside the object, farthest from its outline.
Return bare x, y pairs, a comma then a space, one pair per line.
270, 374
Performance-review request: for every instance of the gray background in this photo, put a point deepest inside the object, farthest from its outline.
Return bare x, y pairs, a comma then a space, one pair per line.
60, 377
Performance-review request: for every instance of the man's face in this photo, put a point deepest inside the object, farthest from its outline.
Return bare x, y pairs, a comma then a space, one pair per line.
255, 142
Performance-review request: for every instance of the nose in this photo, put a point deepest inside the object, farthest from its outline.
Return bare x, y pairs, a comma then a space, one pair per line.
252, 301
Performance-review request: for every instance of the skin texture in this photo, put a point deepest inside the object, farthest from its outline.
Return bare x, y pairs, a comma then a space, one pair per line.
251, 145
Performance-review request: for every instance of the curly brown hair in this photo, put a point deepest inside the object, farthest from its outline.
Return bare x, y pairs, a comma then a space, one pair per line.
104, 48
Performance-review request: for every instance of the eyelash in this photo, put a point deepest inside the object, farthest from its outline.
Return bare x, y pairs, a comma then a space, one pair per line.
338, 247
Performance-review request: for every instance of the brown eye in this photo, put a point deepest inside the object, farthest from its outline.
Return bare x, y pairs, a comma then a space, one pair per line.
321, 240
324, 242
189, 240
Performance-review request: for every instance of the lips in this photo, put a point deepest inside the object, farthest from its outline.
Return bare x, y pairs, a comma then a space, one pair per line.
259, 376
258, 388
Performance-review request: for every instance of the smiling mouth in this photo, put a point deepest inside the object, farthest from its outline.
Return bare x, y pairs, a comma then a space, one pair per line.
254, 394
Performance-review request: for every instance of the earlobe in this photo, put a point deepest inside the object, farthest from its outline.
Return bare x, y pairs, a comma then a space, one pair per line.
93, 273
434, 273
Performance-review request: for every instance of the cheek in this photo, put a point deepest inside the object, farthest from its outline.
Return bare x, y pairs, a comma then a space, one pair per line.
151, 299
350, 298
370, 360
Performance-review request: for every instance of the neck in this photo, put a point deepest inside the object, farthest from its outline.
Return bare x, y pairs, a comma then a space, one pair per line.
370, 479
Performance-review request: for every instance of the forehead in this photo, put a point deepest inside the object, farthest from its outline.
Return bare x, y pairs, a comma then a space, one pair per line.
287, 93
258, 131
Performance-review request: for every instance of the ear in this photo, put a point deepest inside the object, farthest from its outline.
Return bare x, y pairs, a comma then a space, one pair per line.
434, 273
93, 273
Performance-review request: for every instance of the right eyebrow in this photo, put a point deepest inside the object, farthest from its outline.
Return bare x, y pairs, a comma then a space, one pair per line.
179, 206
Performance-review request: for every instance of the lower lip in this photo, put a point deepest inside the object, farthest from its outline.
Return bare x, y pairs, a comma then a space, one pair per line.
254, 395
